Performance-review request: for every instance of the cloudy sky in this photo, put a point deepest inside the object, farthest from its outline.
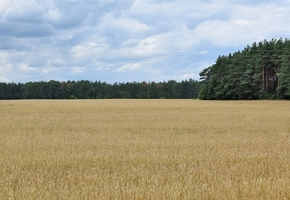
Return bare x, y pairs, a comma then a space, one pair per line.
129, 40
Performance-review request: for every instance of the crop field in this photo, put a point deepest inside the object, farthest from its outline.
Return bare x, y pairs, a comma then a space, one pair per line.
144, 149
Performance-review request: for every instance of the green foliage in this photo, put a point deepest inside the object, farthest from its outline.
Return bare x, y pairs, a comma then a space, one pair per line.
99, 90
260, 71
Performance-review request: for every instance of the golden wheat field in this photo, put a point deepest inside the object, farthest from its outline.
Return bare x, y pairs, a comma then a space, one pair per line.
144, 149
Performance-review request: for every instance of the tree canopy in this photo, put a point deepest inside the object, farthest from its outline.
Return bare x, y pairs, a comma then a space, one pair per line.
260, 71
85, 89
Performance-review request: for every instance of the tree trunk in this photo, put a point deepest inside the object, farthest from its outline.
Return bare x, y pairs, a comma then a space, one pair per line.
267, 79
264, 79
278, 77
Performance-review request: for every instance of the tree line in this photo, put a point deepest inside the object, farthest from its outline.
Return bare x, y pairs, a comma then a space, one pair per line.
260, 71
85, 89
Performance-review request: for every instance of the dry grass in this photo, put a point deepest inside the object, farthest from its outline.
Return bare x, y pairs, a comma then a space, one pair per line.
144, 149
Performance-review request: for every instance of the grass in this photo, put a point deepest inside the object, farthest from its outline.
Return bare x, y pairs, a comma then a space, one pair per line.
144, 149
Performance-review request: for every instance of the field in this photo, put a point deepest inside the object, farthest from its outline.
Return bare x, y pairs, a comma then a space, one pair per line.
144, 149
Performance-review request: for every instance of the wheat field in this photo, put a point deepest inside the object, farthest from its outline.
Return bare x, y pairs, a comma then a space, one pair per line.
144, 149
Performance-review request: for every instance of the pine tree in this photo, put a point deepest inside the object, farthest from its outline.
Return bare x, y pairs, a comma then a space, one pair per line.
284, 75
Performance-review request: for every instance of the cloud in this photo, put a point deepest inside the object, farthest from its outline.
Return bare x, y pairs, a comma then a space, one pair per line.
25, 12
188, 76
129, 25
246, 25
76, 70
5, 68
104, 2
129, 40
24, 18
128, 67
204, 52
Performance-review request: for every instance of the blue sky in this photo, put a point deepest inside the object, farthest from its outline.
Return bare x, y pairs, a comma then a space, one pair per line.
129, 40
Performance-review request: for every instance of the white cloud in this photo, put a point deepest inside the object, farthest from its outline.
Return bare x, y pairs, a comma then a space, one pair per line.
118, 29
128, 67
164, 44
204, 52
148, 39
95, 47
77, 70
27, 12
247, 25
104, 2
52, 15
189, 76
173, 11
4, 79
4, 70
50, 70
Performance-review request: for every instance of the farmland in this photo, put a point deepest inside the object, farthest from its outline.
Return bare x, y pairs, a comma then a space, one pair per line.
144, 149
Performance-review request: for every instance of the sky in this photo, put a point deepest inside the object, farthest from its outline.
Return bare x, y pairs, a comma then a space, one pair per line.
129, 40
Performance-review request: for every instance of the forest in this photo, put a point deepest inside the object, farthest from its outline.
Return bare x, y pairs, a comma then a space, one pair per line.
85, 89
260, 71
